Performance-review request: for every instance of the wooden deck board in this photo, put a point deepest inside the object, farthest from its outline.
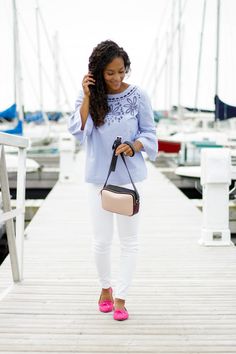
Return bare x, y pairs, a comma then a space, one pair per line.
183, 298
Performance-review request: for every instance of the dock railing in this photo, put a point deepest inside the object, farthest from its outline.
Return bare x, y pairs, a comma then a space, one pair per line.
15, 235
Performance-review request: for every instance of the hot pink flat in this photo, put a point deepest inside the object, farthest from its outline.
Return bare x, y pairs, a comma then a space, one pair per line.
106, 305
120, 315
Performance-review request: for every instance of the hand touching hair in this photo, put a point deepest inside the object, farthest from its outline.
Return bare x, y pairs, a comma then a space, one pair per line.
102, 55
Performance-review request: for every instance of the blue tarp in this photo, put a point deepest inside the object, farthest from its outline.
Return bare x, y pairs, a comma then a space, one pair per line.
18, 129
55, 116
223, 110
9, 113
37, 117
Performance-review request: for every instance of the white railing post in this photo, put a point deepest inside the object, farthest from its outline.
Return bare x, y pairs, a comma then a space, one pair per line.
67, 157
215, 180
20, 205
15, 243
9, 223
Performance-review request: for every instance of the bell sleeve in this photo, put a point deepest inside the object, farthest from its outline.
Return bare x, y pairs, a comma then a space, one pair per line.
147, 130
74, 122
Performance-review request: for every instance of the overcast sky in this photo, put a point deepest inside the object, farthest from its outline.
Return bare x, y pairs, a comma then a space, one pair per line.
142, 27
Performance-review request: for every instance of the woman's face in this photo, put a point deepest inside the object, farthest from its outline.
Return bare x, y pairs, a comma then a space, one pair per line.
114, 74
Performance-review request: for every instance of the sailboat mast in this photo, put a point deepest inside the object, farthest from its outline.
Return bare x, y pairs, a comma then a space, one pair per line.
41, 100
200, 55
18, 89
180, 62
156, 62
56, 73
217, 55
14, 49
39, 59
166, 72
171, 55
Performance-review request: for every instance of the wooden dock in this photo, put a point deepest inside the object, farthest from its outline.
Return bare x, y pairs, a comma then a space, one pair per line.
183, 298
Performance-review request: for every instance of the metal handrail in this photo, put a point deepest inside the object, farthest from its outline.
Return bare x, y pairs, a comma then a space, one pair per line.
15, 237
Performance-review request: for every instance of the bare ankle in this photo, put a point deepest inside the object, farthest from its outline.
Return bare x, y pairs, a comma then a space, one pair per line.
119, 302
106, 294
106, 291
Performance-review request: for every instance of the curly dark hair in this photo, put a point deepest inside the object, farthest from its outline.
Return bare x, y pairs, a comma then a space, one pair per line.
102, 55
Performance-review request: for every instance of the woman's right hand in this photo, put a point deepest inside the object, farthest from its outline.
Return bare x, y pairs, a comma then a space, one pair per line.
87, 80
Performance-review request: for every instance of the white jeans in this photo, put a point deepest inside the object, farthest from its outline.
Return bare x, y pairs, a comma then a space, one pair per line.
103, 227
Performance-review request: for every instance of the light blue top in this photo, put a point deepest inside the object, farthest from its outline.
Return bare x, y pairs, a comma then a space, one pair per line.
130, 117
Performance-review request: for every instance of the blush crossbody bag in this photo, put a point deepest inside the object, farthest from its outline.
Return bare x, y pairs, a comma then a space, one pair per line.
117, 199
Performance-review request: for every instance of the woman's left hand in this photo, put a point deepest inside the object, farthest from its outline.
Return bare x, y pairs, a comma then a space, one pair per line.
126, 149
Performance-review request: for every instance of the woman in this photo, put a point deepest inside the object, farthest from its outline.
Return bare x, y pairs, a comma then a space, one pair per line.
109, 107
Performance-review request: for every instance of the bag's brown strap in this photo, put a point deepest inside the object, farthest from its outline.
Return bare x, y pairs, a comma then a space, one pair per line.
112, 167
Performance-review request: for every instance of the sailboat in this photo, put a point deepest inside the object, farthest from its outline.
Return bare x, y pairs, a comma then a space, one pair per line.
11, 112
208, 130
13, 120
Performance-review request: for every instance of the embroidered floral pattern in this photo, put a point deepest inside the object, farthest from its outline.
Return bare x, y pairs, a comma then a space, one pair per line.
131, 105
118, 109
114, 114
114, 110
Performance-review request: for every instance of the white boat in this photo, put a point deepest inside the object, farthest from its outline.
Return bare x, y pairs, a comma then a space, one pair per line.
12, 164
195, 172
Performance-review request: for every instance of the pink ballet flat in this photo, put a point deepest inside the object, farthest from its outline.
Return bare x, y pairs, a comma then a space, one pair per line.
120, 315
106, 305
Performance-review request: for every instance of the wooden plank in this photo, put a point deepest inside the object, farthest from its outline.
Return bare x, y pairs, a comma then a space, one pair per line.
182, 299
144, 344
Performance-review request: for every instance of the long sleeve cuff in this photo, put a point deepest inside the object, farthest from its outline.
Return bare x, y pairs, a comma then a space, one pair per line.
150, 145
75, 123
